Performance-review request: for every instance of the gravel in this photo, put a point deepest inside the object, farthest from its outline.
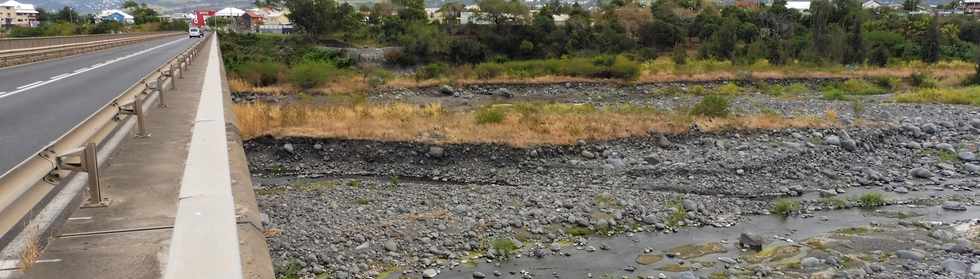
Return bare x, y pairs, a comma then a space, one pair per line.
346, 205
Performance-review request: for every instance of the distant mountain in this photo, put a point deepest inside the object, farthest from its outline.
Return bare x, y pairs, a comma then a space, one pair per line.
166, 6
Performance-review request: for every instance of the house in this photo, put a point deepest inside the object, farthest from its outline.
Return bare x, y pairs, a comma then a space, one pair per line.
13, 13
971, 6
250, 21
276, 22
115, 15
229, 12
872, 4
802, 6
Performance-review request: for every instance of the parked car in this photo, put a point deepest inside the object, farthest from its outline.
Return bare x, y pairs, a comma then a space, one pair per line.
195, 33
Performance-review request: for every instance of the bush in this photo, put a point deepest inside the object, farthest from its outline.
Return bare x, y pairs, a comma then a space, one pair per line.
624, 68
261, 73
504, 247
711, 106
785, 207
729, 89
431, 71
834, 94
860, 87
325, 55
873, 199
922, 80
887, 83
679, 55
310, 75
489, 115
488, 70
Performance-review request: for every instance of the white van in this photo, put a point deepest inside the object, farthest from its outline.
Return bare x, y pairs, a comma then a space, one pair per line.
195, 32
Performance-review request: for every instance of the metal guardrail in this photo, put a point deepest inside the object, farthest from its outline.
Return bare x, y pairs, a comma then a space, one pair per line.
49, 49
25, 187
32, 42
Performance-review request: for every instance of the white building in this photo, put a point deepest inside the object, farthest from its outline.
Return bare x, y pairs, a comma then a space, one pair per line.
802, 6
230, 12
13, 13
115, 15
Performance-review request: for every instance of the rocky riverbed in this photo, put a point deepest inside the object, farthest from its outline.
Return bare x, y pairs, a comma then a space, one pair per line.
894, 197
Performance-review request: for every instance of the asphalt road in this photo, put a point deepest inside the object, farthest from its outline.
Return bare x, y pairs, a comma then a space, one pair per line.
40, 102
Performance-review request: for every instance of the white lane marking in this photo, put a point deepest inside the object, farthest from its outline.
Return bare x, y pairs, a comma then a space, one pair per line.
42, 83
29, 85
79, 218
59, 76
48, 261
81, 70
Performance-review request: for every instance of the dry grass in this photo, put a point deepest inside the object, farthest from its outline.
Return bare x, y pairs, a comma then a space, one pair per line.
522, 125
240, 85
32, 251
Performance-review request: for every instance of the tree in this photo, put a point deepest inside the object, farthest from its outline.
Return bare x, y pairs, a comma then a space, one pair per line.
855, 53
820, 14
411, 10
66, 14
503, 12
322, 17
930, 46
879, 56
910, 5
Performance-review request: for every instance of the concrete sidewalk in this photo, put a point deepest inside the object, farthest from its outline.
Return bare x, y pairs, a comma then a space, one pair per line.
130, 238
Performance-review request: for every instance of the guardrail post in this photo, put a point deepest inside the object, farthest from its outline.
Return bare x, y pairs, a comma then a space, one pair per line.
170, 74
136, 108
88, 162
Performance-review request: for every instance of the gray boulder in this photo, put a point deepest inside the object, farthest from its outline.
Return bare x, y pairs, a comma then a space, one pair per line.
436, 152
751, 240
921, 173
954, 266
954, 206
831, 140
447, 90
967, 156
909, 255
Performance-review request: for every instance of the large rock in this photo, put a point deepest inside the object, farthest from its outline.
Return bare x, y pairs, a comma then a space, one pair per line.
909, 255
686, 275
447, 90
954, 266
751, 240
972, 168
831, 140
967, 156
975, 269
975, 123
921, 173
662, 141
436, 152
429, 273
955, 206
811, 263
390, 245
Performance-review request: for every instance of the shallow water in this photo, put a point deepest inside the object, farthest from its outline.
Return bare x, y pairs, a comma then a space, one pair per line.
624, 250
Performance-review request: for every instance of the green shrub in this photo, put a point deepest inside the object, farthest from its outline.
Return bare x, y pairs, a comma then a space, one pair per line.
679, 55
505, 247
860, 87
873, 199
488, 70
310, 75
261, 73
431, 71
785, 207
489, 115
697, 90
796, 89
887, 83
834, 94
324, 55
711, 106
922, 80
729, 89
624, 68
